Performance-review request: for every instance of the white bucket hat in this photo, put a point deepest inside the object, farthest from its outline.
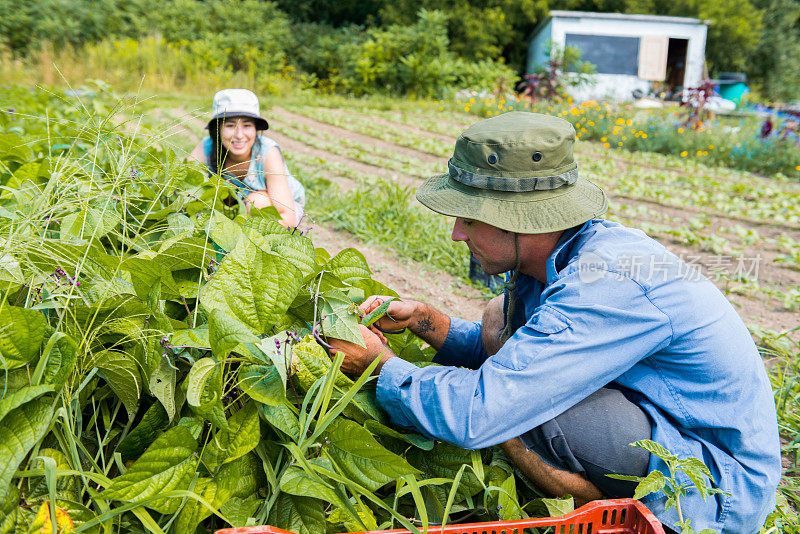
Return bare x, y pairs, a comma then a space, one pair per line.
236, 103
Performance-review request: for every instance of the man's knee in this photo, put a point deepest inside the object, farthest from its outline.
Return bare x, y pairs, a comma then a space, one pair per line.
593, 438
492, 324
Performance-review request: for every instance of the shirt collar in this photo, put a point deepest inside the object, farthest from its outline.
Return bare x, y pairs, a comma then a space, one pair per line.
563, 246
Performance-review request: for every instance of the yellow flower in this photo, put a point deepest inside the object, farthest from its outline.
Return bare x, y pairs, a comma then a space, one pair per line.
797, 168
624, 138
644, 135
680, 130
471, 100
629, 122
606, 145
705, 152
603, 139
711, 147
699, 152
590, 123
619, 144
684, 154
620, 121
583, 130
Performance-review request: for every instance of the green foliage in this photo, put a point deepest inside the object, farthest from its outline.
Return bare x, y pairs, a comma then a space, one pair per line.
694, 469
775, 61
161, 371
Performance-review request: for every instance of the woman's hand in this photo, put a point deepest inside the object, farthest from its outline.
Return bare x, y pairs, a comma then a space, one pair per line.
358, 358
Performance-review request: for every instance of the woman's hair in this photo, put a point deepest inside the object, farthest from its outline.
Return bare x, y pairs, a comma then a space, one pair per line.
216, 160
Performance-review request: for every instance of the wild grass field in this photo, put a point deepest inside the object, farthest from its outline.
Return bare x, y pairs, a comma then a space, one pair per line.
96, 191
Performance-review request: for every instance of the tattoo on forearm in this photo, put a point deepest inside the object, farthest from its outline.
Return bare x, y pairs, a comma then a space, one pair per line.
425, 325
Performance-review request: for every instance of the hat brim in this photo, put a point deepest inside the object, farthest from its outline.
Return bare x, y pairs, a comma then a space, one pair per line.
532, 212
261, 122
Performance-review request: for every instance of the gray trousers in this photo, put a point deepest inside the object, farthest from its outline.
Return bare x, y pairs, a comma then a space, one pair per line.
592, 438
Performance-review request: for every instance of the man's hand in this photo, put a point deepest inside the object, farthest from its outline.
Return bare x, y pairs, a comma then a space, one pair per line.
423, 320
358, 358
399, 315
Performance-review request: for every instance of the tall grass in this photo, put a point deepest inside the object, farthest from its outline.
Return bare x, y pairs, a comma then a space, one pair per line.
150, 63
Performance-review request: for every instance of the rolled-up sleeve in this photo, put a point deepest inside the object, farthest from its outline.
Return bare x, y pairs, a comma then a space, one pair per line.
582, 337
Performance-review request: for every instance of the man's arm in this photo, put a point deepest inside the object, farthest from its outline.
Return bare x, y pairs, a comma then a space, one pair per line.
581, 339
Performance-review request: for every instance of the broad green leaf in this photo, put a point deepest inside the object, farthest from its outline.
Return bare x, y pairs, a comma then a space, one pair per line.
695, 465
262, 383
239, 510
282, 418
22, 333
253, 286
697, 472
198, 379
196, 337
224, 232
653, 482
654, 448
302, 515
359, 455
338, 317
298, 250
216, 491
558, 507
295, 481
309, 362
122, 375
16, 399
349, 265
21, 429
412, 438
10, 269
226, 333
60, 362
241, 437
364, 407
444, 461
168, 464
344, 517
377, 313
162, 386
152, 424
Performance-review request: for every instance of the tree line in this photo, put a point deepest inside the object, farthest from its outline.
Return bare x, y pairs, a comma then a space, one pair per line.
344, 41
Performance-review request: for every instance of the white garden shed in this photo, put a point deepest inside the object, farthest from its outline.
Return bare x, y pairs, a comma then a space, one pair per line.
630, 52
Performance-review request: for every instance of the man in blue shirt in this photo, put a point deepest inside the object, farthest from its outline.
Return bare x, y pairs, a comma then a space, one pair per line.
604, 338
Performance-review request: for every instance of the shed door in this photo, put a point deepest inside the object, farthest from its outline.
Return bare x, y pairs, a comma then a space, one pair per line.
653, 58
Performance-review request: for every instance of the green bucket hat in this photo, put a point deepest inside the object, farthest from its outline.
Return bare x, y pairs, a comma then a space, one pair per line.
515, 171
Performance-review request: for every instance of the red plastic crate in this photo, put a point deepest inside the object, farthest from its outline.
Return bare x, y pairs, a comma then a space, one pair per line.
612, 516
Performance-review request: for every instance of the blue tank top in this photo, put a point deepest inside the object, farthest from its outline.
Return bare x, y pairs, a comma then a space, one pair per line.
255, 178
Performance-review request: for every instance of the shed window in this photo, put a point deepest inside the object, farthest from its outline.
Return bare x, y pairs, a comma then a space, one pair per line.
610, 54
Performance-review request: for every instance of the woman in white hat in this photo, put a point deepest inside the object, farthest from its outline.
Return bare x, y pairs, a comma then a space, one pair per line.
237, 150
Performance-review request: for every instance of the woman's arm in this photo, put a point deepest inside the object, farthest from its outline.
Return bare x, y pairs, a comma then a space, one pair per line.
198, 154
278, 186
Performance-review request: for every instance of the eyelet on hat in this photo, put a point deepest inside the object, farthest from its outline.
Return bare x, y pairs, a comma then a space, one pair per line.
537, 156
492, 159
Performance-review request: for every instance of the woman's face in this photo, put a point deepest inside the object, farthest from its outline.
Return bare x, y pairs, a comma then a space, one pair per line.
238, 134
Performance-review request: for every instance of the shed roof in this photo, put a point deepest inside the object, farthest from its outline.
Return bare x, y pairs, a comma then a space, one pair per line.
625, 16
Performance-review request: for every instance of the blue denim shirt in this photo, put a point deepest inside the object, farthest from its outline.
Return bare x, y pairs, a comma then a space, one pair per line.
617, 307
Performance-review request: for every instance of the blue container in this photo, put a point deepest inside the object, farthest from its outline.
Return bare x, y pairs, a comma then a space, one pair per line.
732, 91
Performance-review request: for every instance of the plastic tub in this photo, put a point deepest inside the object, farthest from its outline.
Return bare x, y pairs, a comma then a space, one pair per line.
613, 516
